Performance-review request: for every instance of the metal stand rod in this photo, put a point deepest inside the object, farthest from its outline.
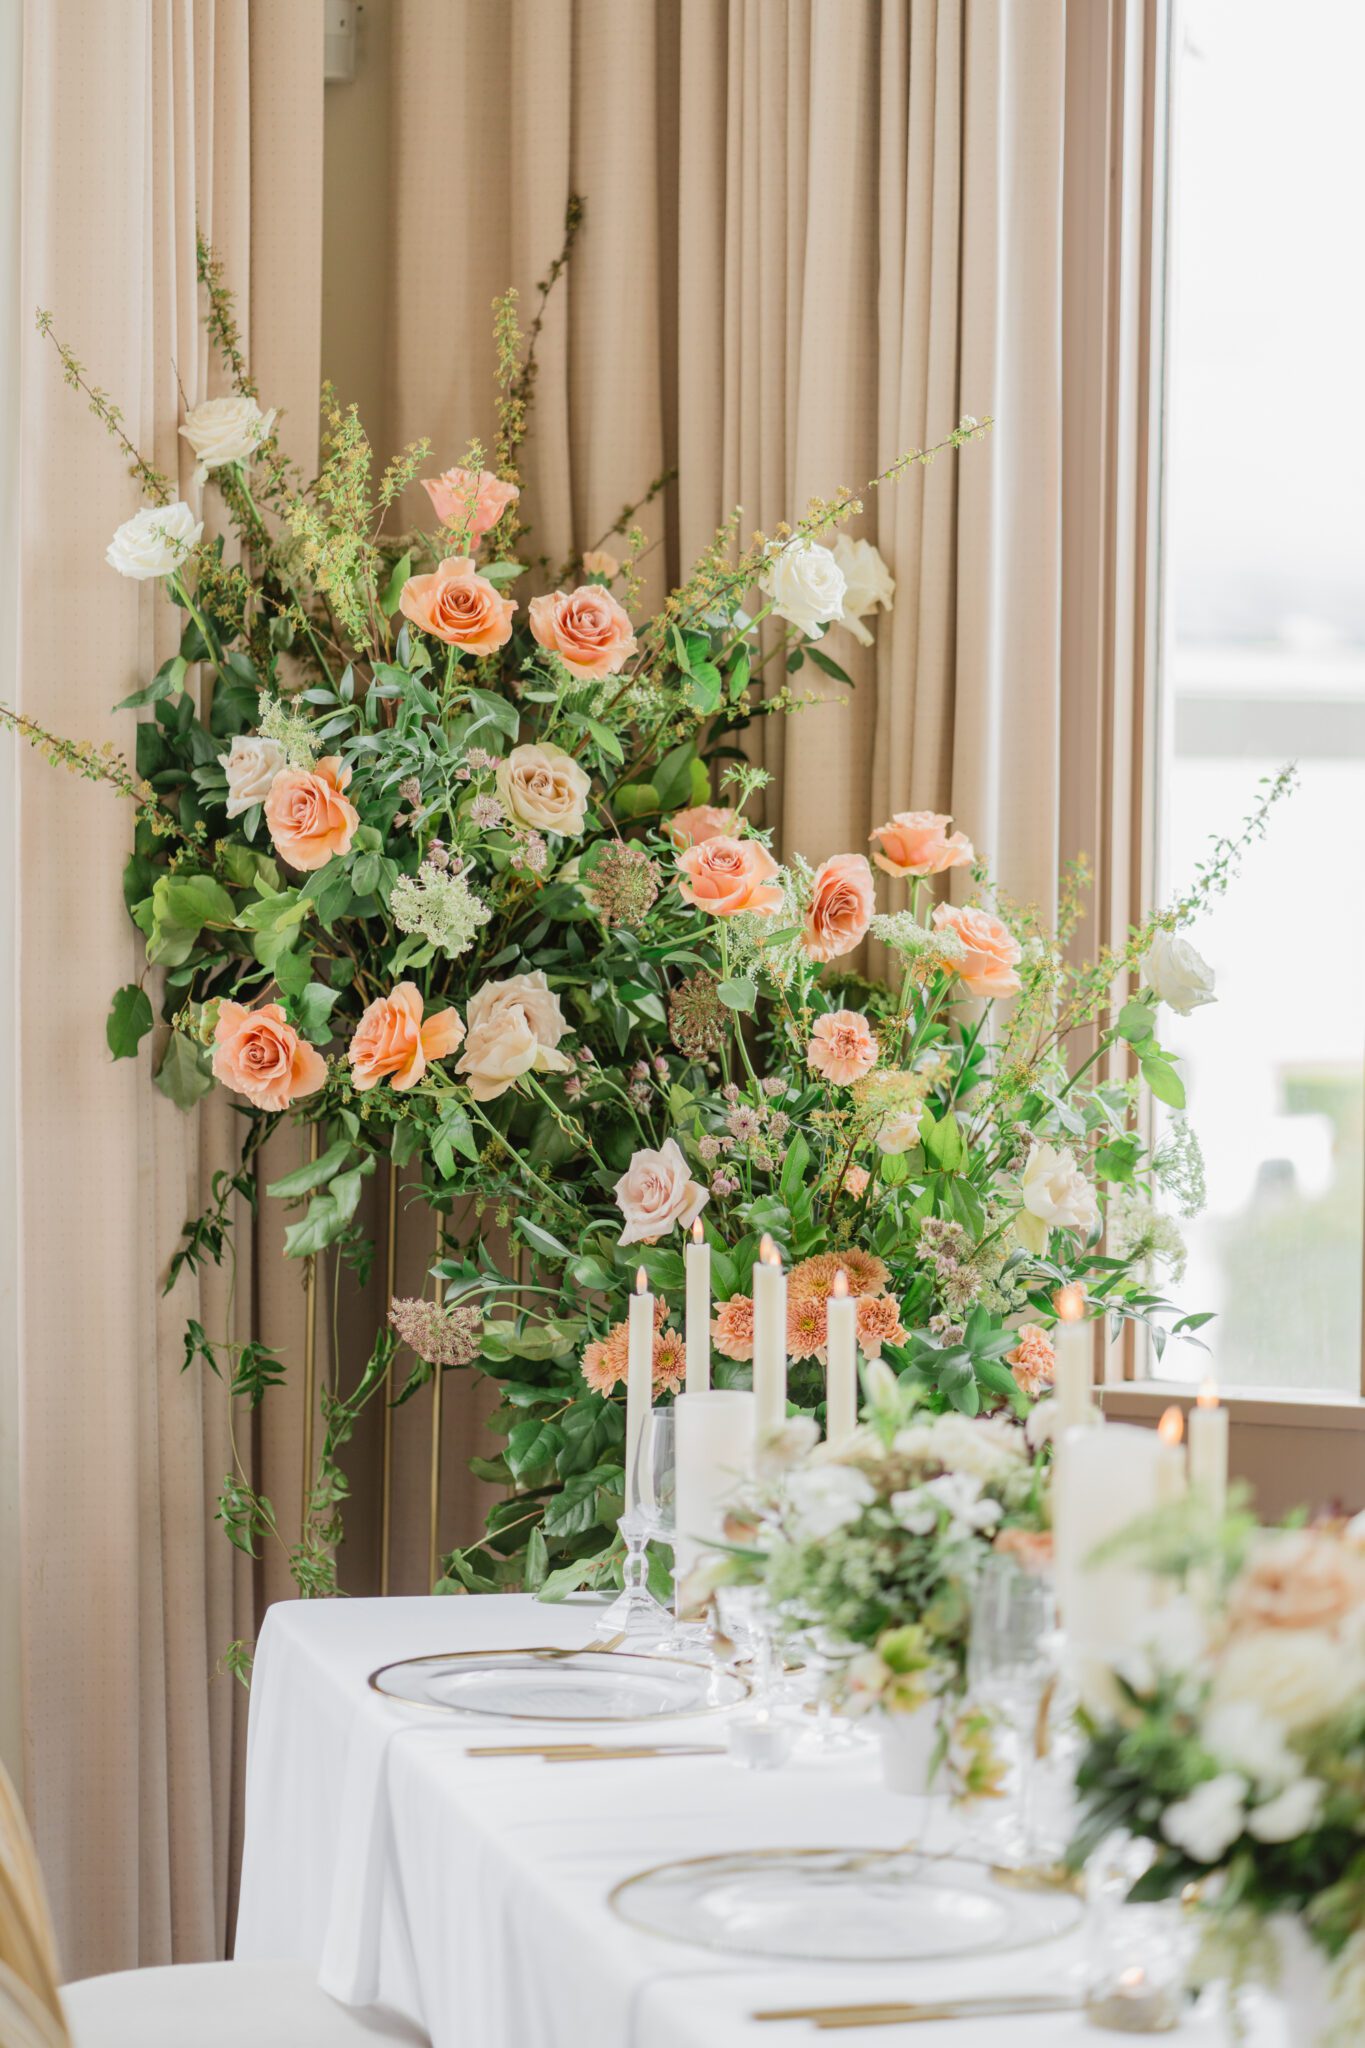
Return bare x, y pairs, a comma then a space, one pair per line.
386, 1482
438, 1376
310, 1360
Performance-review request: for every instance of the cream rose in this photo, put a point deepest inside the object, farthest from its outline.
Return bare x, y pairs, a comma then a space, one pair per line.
250, 766
545, 788
1177, 975
1298, 1676
154, 542
514, 1027
1057, 1196
899, 1132
805, 583
868, 583
656, 1193
224, 430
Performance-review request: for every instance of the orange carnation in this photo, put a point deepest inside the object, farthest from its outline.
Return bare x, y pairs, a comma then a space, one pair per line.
879, 1322
308, 816
732, 1329
257, 1053
392, 1042
1033, 1359
459, 607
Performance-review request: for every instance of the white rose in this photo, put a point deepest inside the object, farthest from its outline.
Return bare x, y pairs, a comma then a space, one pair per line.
656, 1193
867, 583
251, 767
514, 1027
1057, 1196
224, 430
154, 542
1241, 1733
805, 583
826, 1498
545, 788
1177, 975
1291, 1814
899, 1132
1207, 1823
1300, 1676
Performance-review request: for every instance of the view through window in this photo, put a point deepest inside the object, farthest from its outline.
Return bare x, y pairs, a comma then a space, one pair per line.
1264, 662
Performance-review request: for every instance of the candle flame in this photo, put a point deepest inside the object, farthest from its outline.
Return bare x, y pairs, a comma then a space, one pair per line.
1069, 1302
696, 1230
641, 1282
840, 1287
1208, 1395
1171, 1427
1132, 1979
767, 1251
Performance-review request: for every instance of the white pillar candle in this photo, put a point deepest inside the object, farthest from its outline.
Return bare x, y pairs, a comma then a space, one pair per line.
713, 1454
1209, 1447
841, 1371
639, 1378
1104, 1479
698, 1257
770, 1340
1073, 1343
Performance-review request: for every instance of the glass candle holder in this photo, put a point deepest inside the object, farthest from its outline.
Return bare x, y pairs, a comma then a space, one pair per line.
760, 1742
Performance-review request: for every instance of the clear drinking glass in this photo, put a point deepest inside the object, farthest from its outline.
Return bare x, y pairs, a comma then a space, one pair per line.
1012, 1662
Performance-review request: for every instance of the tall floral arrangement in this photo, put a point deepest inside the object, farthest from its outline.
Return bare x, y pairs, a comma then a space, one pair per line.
449, 856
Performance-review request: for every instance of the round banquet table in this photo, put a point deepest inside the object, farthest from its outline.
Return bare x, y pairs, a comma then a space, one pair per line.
471, 1894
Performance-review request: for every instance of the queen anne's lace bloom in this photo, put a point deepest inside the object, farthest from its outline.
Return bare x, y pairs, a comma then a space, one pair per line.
439, 906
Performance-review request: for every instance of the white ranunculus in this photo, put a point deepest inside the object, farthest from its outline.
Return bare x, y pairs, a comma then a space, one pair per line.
868, 583
224, 430
1207, 1823
1300, 1676
251, 766
1177, 975
154, 542
1057, 1196
1242, 1734
805, 583
826, 1498
1288, 1815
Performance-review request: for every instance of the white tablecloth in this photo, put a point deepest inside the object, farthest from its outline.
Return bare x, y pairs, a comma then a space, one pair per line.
471, 1894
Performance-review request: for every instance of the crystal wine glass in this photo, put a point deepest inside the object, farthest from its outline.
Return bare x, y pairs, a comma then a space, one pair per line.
635, 1613
1011, 1668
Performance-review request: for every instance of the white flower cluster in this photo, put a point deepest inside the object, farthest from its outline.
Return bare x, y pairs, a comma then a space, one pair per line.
441, 907
902, 931
289, 728
1143, 1233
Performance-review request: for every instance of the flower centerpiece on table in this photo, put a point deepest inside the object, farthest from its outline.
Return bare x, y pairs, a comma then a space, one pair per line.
875, 1547
451, 857
1231, 1740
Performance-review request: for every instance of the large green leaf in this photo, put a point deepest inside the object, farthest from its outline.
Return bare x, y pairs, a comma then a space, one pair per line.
185, 1073
314, 1173
129, 1020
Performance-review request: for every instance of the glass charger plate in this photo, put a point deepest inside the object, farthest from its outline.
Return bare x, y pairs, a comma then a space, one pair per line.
544, 1684
844, 1905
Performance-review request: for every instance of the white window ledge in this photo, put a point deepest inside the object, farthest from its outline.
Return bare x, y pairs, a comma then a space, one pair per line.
1142, 1400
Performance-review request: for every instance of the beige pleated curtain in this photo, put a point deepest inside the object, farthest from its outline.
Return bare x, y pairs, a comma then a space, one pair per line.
818, 232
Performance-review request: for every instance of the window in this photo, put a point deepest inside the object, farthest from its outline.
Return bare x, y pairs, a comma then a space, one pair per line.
1263, 661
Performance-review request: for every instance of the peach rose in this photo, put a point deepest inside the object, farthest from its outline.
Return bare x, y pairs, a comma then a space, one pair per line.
544, 787
724, 876
918, 843
700, 822
459, 607
1031, 1549
656, 1194
472, 501
597, 562
841, 904
391, 1041
1033, 1359
842, 1047
589, 631
1297, 1578
514, 1028
990, 951
257, 1053
308, 816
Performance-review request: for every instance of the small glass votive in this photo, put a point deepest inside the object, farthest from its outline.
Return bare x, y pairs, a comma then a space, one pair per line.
1135, 2002
760, 1742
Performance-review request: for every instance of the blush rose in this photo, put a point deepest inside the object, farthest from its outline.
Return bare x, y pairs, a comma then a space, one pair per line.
724, 876
393, 1042
587, 628
458, 606
259, 1054
309, 815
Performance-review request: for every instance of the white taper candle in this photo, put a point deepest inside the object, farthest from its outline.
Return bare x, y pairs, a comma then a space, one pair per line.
1209, 1447
841, 1371
770, 1340
698, 1258
639, 1379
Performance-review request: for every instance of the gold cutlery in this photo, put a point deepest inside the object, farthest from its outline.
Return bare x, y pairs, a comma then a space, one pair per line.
1005, 2005
551, 1653
594, 1752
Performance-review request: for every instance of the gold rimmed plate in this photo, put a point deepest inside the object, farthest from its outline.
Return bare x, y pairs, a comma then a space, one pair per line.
542, 1683
842, 1905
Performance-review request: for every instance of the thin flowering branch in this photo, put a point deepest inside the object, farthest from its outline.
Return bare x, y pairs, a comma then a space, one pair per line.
155, 484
